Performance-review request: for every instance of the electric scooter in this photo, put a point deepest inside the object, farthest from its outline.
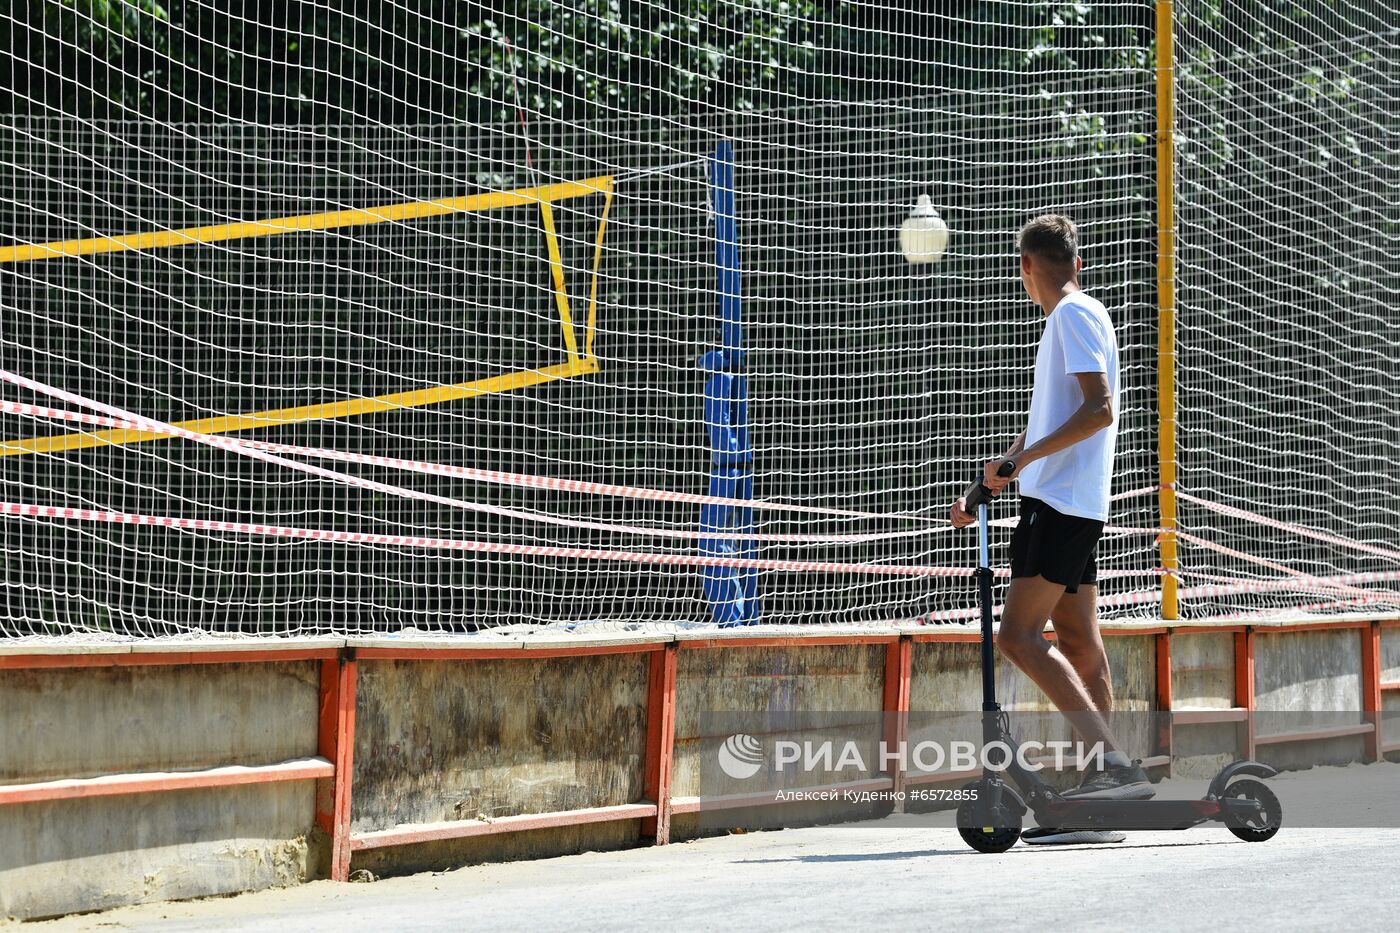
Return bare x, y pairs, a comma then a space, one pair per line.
989, 820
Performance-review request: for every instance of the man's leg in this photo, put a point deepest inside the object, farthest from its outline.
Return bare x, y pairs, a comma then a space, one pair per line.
1076, 621
1029, 604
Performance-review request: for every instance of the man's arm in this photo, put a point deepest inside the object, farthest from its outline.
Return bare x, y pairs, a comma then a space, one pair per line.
1091, 417
959, 514
1095, 414
1087, 346
1012, 453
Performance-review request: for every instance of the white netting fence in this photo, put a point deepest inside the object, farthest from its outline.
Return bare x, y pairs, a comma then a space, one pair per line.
1289, 292
454, 383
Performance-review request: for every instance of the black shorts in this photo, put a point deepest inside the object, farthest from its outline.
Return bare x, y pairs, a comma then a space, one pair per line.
1059, 547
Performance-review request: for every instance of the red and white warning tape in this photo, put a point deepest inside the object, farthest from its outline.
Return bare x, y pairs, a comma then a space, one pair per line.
255, 448
1302, 584
1300, 530
1316, 582
497, 477
113, 417
27, 510
1209, 591
1108, 600
235, 444
1322, 606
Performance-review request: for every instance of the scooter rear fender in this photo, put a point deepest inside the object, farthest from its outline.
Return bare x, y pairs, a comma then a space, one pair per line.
1234, 770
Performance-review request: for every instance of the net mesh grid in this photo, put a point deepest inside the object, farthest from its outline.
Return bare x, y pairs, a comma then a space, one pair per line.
874, 386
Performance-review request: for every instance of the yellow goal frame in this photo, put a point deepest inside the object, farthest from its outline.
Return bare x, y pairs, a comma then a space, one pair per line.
578, 362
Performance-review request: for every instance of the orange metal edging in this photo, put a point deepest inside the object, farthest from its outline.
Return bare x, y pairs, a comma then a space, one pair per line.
974, 637
1244, 686
790, 641
947, 638
1321, 626
943, 777
767, 799
1197, 717
661, 741
499, 654
899, 667
117, 784
1164, 696
125, 659
462, 829
336, 739
1336, 732
1371, 688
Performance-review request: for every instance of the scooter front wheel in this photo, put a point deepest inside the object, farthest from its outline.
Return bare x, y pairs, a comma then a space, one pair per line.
990, 833
1257, 828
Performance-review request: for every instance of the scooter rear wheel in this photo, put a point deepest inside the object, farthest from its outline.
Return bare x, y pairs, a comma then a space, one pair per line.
1003, 833
1262, 827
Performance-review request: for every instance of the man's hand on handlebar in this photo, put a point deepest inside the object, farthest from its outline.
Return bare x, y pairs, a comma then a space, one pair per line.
997, 474
992, 478
959, 514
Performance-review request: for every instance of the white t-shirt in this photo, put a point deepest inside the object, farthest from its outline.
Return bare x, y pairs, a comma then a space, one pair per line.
1078, 338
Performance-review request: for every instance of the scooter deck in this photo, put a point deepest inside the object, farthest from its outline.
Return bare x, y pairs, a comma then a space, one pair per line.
1068, 813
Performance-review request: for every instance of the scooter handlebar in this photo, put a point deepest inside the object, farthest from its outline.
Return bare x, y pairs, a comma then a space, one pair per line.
981, 493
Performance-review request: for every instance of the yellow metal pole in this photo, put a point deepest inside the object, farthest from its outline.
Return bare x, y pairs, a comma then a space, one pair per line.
276, 226
1166, 304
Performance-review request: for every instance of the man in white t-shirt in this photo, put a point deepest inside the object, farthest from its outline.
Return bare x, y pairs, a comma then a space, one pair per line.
1064, 461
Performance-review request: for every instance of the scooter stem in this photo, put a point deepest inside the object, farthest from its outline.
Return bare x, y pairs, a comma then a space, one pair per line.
977, 497
984, 560
984, 594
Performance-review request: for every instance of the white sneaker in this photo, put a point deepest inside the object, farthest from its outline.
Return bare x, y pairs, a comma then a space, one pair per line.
1042, 836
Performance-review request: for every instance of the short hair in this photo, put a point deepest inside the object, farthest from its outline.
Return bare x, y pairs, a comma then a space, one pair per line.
1052, 237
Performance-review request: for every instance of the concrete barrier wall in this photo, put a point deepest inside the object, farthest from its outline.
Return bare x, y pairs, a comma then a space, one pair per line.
947, 677
1390, 675
1390, 654
438, 755
71, 855
765, 679
1203, 670
1203, 678
446, 741
1309, 676
1307, 671
81, 722
83, 854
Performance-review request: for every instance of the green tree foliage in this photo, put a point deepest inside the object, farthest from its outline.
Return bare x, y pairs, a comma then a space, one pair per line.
84, 57
272, 61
